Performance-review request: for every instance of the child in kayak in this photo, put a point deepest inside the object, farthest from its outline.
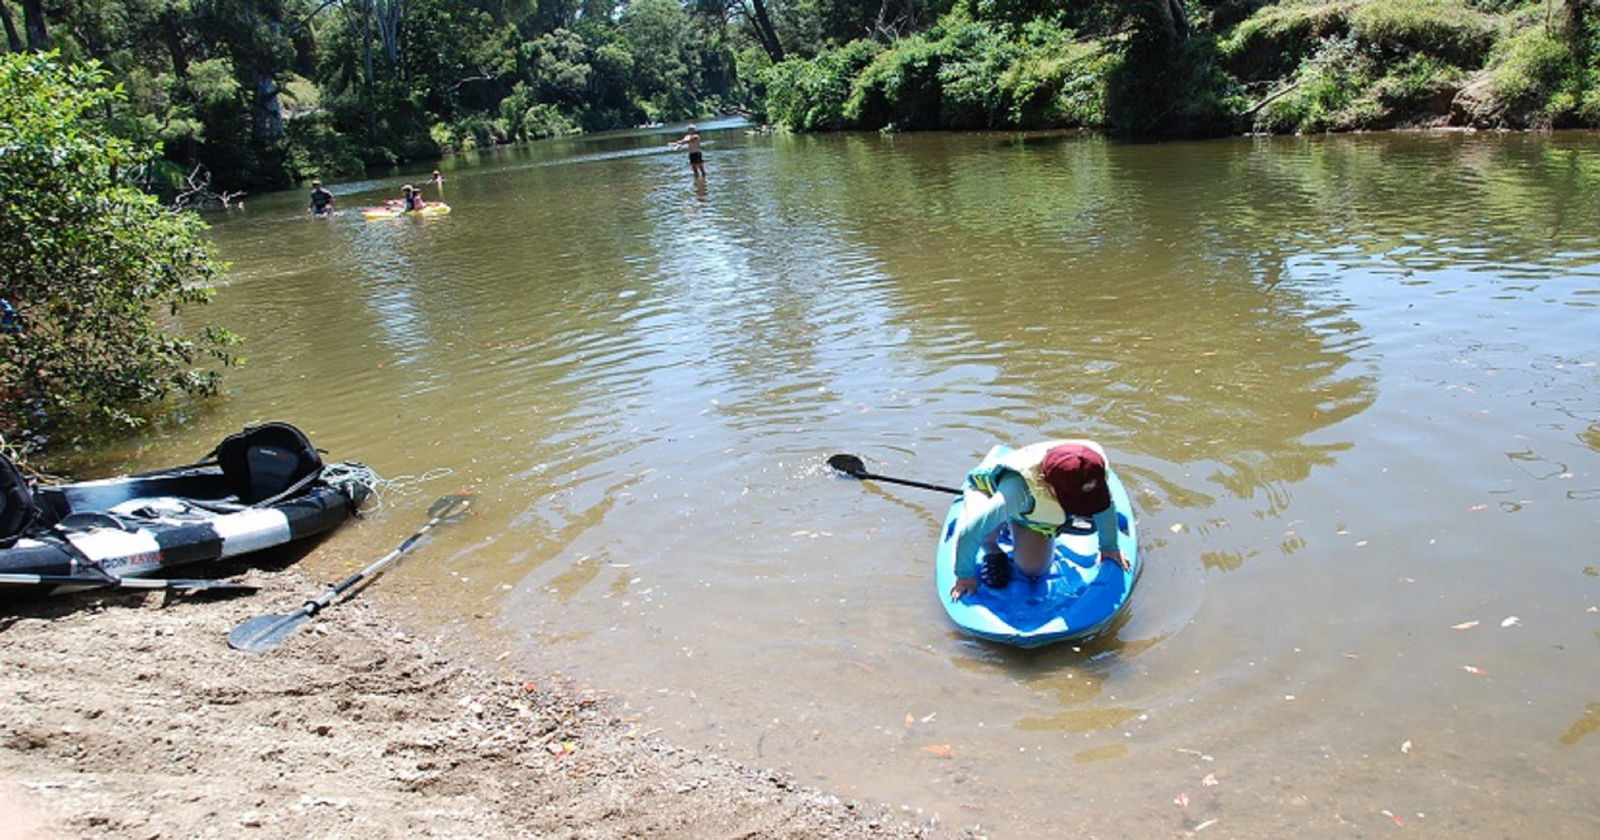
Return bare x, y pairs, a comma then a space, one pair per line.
1036, 490
410, 199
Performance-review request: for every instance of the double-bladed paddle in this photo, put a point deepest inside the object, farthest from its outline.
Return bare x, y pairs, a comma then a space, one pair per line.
265, 632
852, 466
180, 584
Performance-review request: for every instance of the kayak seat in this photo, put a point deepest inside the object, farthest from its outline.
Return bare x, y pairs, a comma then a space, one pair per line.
265, 464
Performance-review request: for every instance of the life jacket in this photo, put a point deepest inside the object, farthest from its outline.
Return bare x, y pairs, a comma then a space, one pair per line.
18, 510
1046, 516
267, 463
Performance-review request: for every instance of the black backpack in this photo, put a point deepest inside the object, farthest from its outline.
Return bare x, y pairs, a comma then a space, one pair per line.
18, 511
268, 463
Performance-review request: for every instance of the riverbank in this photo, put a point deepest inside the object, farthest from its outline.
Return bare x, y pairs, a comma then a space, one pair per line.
129, 716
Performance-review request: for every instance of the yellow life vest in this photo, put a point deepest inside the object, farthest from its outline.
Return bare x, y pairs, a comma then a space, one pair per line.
1046, 515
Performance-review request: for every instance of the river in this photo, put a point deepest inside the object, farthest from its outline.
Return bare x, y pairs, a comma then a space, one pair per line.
1352, 384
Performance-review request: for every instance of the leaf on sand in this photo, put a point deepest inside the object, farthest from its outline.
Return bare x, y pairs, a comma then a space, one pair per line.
1465, 625
1510, 621
1473, 669
1393, 817
1405, 747
1210, 780
1181, 800
910, 721
940, 750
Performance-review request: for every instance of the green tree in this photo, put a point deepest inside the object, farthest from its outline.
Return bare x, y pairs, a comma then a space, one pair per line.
98, 269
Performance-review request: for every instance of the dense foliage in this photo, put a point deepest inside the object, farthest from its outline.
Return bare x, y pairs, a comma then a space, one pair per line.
261, 92
97, 269
1153, 68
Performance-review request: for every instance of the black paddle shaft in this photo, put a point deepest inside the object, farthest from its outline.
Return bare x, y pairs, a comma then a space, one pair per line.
265, 632
852, 466
443, 510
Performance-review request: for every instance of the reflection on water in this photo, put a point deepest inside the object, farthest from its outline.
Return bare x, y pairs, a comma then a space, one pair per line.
1351, 383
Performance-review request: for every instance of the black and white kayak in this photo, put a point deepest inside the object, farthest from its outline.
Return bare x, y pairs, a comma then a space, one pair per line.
264, 487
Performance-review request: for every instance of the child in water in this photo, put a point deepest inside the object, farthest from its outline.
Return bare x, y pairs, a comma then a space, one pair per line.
691, 141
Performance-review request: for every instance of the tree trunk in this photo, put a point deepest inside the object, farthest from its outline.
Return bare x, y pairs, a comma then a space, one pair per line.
172, 32
266, 115
764, 31
389, 15
13, 40
1171, 20
33, 21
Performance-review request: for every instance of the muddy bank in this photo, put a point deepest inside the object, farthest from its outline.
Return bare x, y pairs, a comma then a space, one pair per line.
129, 716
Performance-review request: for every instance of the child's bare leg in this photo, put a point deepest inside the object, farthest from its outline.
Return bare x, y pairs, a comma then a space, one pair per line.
1032, 552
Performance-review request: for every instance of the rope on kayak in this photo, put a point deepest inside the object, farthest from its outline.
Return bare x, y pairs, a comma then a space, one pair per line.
347, 474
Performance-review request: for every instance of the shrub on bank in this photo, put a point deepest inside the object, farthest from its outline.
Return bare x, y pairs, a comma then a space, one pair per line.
97, 269
1277, 39
809, 94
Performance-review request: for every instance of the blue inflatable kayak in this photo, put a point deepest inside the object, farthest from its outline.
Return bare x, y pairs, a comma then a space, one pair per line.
1077, 597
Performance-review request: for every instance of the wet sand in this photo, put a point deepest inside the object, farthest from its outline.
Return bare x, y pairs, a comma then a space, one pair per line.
129, 716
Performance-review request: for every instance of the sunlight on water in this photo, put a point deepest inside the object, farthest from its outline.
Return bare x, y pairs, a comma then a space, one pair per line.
1350, 382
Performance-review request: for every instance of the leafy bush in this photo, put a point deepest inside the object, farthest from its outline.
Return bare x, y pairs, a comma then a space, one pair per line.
1328, 93
1274, 41
1419, 83
95, 266
900, 87
318, 149
1530, 68
1447, 29
1057, 83
809, 95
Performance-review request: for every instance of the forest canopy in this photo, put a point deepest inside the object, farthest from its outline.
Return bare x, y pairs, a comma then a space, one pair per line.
261, 93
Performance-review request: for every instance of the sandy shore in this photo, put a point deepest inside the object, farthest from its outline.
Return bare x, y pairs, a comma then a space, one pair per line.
128, 716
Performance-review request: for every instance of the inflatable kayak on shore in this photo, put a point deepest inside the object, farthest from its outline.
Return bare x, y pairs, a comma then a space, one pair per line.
266, 487
374, 213
1078, 596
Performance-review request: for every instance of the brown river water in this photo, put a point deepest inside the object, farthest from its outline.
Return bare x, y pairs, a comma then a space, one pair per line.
1352, 384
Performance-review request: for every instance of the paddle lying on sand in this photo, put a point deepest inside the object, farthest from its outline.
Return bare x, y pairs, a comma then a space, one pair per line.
265, 632
180, 584
852, 466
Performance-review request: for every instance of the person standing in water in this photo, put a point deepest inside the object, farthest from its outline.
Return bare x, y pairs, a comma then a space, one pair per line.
691, 141
321, 200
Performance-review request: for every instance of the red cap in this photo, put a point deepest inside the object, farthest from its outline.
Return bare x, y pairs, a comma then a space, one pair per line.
1077, 474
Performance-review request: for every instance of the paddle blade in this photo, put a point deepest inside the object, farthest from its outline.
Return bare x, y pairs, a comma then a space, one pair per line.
265, 632
450, 508
847, 464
